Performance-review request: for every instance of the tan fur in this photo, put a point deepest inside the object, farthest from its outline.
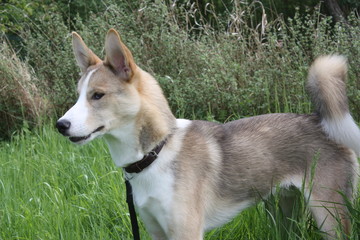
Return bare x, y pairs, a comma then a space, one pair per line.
84, 56
154, 119
212, 171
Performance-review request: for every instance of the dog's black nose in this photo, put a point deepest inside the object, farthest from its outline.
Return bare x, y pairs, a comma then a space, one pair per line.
63, 126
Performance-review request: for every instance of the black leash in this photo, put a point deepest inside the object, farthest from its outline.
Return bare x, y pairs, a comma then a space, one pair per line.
136, 168
130, 202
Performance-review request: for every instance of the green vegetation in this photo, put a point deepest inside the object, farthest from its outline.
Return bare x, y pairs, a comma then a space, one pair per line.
20, 98
238, 63
214, 61
52, 189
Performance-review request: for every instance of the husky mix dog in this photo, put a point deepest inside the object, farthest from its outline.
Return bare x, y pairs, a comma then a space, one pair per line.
205, 173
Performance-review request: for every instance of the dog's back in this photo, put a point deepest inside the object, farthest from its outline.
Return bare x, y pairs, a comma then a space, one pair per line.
243, 160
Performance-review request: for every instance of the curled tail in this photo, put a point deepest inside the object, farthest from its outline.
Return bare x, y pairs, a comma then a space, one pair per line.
327, 87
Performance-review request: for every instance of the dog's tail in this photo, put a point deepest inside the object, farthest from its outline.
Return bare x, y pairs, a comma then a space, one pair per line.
327, 87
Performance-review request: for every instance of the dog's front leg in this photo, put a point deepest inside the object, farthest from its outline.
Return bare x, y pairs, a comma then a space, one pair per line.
152, 226
181, 228
188, 222
188, 231
158, 236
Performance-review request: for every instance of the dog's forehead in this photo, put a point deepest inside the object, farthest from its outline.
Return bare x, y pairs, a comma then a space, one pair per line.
102, 78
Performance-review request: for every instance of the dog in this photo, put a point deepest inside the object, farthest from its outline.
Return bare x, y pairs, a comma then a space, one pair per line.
202, 174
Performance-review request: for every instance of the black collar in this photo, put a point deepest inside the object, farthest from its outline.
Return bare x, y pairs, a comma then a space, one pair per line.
146, 160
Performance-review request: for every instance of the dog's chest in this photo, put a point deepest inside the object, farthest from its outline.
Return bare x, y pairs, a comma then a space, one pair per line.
153, 193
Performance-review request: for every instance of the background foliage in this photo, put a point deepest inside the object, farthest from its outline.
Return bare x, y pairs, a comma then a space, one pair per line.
213, 59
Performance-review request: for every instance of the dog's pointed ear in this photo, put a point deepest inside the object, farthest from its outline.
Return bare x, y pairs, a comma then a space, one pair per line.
118, 56
84, 56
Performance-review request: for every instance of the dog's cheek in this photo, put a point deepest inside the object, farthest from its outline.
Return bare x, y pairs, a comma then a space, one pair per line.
95, 117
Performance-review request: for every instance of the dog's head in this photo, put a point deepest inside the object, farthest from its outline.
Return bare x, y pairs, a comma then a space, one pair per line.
108, 91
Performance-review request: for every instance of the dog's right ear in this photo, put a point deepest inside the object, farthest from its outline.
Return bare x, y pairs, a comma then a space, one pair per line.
118, 56
84, 56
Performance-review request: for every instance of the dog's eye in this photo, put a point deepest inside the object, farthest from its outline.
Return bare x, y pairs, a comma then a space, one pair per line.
97, 96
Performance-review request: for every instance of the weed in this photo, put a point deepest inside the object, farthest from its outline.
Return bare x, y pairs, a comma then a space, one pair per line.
20, 98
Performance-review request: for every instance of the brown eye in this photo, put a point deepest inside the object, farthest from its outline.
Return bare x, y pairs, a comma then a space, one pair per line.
97, 96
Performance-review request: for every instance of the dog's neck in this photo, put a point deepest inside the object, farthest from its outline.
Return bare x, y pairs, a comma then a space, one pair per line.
128, 145
124, 145
154, 123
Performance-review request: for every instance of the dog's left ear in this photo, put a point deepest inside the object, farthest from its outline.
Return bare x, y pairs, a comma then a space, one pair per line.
118, 56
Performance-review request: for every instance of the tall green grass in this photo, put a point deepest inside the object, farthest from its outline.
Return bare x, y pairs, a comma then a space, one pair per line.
52, 189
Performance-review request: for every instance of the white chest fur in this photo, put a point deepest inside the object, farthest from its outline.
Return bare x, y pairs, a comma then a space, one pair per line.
153, 194
153, 188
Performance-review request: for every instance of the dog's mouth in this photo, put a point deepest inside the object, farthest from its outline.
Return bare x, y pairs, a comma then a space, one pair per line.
79, 139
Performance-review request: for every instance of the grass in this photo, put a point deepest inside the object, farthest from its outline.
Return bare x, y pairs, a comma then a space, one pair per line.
52, 189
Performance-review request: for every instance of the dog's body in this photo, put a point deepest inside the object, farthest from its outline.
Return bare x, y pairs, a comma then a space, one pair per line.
206, 173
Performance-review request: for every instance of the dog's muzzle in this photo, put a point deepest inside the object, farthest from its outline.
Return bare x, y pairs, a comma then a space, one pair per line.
64, 125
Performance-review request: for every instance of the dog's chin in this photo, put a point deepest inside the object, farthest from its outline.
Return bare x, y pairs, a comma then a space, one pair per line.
81, 140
